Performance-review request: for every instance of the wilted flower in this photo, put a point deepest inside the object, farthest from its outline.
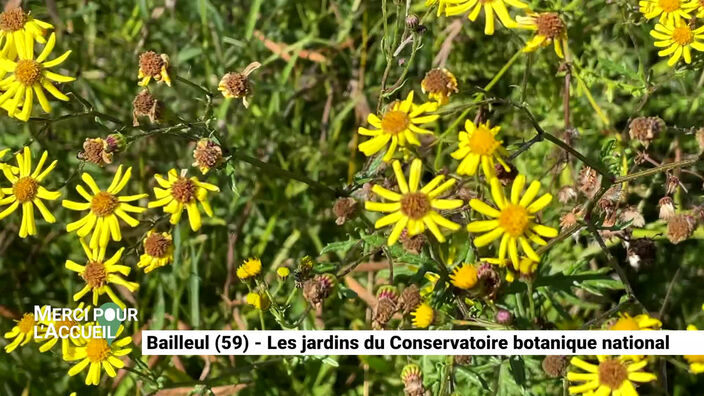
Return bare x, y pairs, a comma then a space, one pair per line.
207, 155
158, 251
633, 215
566, 194
568, 220
680, 227
439, 84
386, 306
94, 152
641, 252
317, 289
237, 85
555, 365
345, 208
645, 129
146, 105
549, 29
667, 208
153, 65
588, 181
410, 299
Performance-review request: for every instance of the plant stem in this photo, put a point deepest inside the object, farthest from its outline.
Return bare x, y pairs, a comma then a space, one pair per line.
503, 70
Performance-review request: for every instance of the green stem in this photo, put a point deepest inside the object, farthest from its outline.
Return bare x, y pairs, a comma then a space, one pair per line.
531, 302
503, 70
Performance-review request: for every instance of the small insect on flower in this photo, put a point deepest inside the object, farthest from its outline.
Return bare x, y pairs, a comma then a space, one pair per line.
99, 273
158, 251
439, 84
491, 7
237, 85
27, 192
62, 325
669, 11
513, 220
207, 155
678, 39
414, 209
16, 28
249, 268
22, 332
611, 376
29, 77
549, 29
97, 353
153, 65
179, 192
423, 316
399, 125
464, 276
478, 144
105, 207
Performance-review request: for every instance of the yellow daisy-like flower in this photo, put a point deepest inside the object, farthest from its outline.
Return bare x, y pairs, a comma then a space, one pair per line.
27, 192
638, 322
99, 273
478, 144
524, 268
678, 40
22, 332
62, 326
399, 125
158, 251
513, 220
414, 209
31, 77
259, 301
153, 65
423, 316
105, 208
179, 192
16, 27
249, 268
669, 11
611, 376
464, 276
439, 84
283, 272
549, 29
97, 353
441, 5
491, 7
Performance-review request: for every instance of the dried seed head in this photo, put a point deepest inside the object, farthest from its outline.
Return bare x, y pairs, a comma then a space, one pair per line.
413, 244
94, 151
151, 63
645, 129
412, 379
554, 365
566, 194
489, 280
146, 105
207, 155
115, 143
237, 85
439, 81
317, 289
303, 271
466, 194
588, 181
568, 220
345, 208
680, 227
184, 190
157, 245
612, 373
671, 185
641, 252
506, 177
667, 208
504, 317
633, 215
550, 25
383, 311
410, 299
12, 20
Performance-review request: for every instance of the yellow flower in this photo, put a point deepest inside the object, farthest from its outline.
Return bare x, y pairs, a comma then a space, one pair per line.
180, 192
513, 220
491, 7
414, 209
638, 322
400, 125
97, 353
550, 29
696, 362
611, 376
31, 77
99, 273
22, 332
153, 65
525, 267
441, 5
16, 27
258, 300
158, 251
283, 272
478, 144
439, 84
48, 341
670, 11
678, 40
464, 276
27, 191
423, 316
250, 268
105, 207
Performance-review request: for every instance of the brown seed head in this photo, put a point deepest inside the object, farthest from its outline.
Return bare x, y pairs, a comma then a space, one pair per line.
150, 63
680, 227
568, 220
641, 251
566, 194
94, 151
207, 154
645, 129
588, 181
612, 373
410, 299
415, 205
439, 81
184, 190
554, 365
236, 84
383, 311
413, 244
504, 176
13, 19
95, 274
344, 208
550, 25
157, 245
144, 103
667, 208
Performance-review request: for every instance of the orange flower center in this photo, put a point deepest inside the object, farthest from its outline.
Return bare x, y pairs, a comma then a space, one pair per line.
395, 122
669, 5
25, 189
415, 205
612, 373
625, 323
26, 324
104, 204
28, 71
184, 190
514, 220
482, 141
682, 35
694, 358
97, 350
12, 20
156, 245
549, 25
95, 274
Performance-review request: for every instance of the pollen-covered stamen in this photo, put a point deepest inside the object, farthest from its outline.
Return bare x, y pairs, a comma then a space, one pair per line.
415, 205
514, 219
28, 71
439, 81
12, 20
95, 274
550, 25
25, 189
151, 63
97, 350
682, 35
26, 324
104, 204
669, 5
156, 245
236, 84
482, 141
612, 373
184, 190
395, 122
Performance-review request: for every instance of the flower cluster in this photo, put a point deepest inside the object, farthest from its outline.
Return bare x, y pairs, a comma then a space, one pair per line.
675, 30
